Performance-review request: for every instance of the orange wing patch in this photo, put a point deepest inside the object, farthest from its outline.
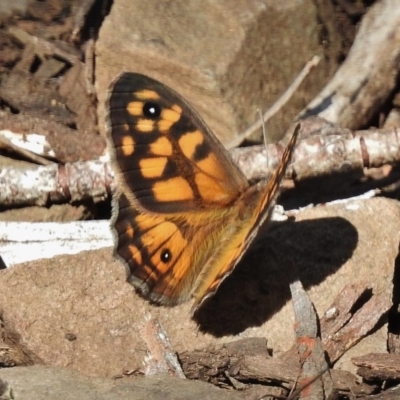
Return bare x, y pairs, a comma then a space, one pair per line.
153, 167
146, 94
211, 167
189, 142
210, 190
128, 145
161, 147
168, 117
135, 108
145, 125
181, 190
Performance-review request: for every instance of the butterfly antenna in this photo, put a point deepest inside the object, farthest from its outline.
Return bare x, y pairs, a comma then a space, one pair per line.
264, 135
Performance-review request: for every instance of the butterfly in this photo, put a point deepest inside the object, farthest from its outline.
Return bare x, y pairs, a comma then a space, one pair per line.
184, 213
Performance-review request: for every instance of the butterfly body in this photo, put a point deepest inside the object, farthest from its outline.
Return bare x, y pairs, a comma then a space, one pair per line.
184, 214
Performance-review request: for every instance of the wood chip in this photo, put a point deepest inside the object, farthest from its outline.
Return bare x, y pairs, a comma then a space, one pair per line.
161, 356
378, 366
315, 382
362, 322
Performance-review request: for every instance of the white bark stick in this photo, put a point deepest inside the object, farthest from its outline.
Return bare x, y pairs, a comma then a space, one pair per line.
28, 241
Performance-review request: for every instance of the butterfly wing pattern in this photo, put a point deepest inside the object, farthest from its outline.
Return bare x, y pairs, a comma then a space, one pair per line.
184, 212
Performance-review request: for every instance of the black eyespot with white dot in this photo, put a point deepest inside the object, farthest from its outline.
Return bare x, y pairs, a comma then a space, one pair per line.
151, 110
166, 256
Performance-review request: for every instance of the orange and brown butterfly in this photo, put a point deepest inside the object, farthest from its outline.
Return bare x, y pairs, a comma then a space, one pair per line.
184, 213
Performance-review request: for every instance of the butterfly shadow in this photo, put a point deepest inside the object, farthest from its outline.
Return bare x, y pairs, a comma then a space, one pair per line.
259, 286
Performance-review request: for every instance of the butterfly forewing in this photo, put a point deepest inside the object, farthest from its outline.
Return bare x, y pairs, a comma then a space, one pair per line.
168, 159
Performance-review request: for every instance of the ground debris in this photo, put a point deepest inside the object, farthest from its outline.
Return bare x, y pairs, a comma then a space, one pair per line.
378, 367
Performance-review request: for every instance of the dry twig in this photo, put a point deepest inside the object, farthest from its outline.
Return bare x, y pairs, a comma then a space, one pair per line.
317, 155
276, 106
161, 356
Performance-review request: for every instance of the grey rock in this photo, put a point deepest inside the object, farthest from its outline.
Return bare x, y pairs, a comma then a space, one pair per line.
49, 383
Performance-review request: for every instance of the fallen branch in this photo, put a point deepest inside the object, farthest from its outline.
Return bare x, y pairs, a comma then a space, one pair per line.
324, 149
315, 156
55, 183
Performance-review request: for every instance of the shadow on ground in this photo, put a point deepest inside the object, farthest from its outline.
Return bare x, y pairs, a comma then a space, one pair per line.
259, 285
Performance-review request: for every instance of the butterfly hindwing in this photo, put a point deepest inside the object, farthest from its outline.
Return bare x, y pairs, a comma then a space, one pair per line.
164, 254
259, 201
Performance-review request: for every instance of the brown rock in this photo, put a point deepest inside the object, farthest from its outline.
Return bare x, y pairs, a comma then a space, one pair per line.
86, 297
227, 59
45, 383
